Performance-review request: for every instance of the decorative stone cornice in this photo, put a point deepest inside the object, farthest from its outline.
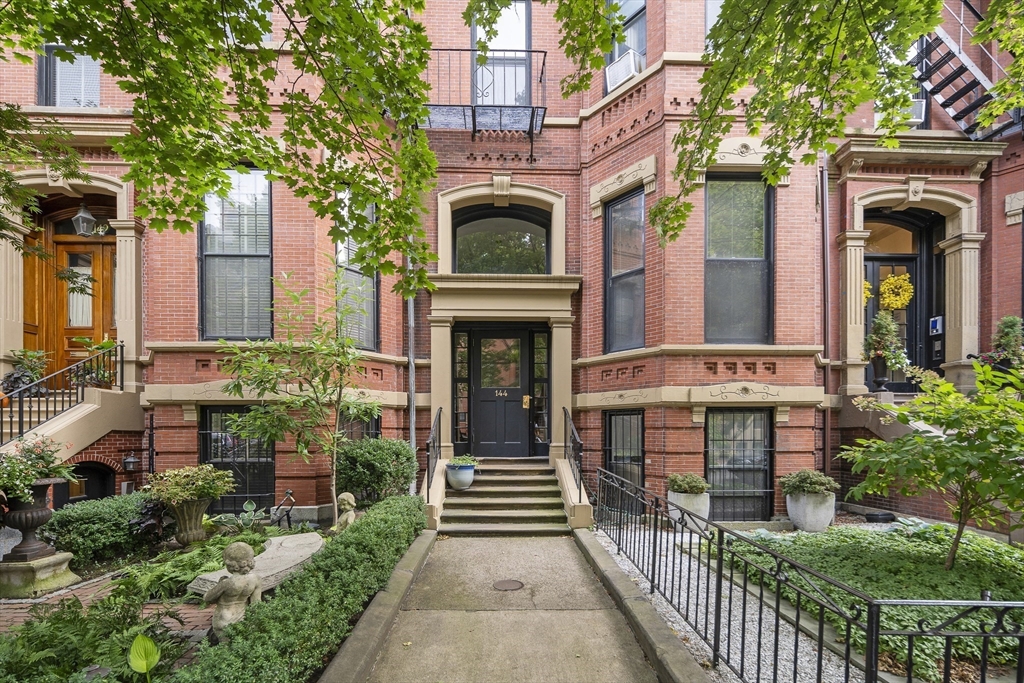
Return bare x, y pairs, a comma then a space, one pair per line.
641, 173
974, 157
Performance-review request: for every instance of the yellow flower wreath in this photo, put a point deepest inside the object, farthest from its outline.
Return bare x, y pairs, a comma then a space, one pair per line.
895, 292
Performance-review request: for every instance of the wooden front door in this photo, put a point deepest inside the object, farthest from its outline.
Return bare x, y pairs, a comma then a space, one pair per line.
84, 314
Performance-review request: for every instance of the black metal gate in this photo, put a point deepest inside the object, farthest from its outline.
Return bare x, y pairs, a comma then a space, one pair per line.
739, 464
624, 444
250, 460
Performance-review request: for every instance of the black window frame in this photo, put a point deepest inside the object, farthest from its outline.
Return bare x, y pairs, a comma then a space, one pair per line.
768, 493
503, 61
607, 433
232, 502
202, 256
768, 336
524, 212
348, 267
46, 77
368, 429
610, 280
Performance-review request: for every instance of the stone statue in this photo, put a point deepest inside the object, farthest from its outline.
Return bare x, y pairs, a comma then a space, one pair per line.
237, 590
347, 507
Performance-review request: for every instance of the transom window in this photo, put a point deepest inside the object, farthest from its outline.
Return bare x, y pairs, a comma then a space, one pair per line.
624, 273
235, 251
738, 278
502, 240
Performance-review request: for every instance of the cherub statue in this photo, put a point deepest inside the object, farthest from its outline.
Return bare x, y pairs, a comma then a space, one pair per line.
237, 590
347, 507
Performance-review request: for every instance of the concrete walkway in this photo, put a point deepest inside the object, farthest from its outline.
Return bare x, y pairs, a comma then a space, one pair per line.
561, 627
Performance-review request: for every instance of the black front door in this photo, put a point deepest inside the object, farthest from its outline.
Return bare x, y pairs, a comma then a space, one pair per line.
908, 319
500, 398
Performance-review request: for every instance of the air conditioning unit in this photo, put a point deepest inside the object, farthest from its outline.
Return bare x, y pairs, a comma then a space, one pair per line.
622, 69
916, 111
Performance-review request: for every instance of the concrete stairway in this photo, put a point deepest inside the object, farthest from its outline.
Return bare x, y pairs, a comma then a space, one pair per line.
509, 497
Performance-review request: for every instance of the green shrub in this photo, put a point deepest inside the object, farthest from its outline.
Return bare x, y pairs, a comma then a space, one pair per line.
464, 460
290, 637
58, 641
96, 530
687, 483
190, 483
373, 469
906, 563
807, 481
168, 575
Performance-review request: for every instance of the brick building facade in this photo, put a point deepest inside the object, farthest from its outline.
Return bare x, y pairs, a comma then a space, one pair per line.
731, 352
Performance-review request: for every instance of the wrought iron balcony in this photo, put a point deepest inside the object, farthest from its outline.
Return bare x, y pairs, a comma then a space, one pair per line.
502, 90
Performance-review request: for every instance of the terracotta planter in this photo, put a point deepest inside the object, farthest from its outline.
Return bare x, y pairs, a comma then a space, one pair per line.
189, 517
27, 517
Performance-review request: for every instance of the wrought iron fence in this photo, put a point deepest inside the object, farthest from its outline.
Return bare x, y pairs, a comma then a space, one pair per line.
31, 405
433, 450
769, 618
573, 451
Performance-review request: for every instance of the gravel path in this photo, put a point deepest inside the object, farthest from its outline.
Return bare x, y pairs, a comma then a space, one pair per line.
754, 657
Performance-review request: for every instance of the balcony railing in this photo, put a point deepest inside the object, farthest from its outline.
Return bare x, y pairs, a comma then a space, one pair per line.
502, 90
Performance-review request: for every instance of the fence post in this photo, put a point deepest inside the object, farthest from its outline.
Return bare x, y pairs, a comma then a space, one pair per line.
120, 368
871, 649
719, 562
654, 547
21, 413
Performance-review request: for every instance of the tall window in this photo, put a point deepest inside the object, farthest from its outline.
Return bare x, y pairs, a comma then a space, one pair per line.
251, 461
738, 278
634, 14
358, 295
505, 78
74, 83
234, 241
712, 10
624, 273
738, 464
624, 444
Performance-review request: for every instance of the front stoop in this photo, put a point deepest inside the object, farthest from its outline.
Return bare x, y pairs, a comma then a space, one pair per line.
35, 577
509, 497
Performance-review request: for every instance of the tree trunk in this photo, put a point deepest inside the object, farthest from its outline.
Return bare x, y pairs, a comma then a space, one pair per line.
951, 558
334, 457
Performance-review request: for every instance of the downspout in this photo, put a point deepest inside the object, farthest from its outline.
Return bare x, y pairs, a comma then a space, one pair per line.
826, 309
410, 307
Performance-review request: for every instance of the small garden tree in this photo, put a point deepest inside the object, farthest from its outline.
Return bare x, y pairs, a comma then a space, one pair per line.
974, 459
304, 378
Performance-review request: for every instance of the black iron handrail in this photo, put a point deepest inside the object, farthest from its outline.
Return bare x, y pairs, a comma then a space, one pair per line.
573, 451
766, 617
433, 450
46, 398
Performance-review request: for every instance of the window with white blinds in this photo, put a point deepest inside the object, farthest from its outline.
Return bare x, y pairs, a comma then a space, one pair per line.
234, 243
357, 296
74, 83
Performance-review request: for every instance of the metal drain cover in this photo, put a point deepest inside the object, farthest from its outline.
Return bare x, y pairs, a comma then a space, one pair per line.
508, 585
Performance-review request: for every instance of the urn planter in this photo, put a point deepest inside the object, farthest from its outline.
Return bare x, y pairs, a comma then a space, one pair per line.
460, 476
697, 503
879, 372
189, 517
27, 517
811, 511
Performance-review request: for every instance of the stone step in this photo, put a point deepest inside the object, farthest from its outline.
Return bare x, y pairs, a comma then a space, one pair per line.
504, 529
503, 503
505, 491
513, 461
523, 470
450, 516
514, 480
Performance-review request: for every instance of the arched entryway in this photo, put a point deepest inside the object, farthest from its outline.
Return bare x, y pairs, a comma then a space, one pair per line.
905, 243
95, 481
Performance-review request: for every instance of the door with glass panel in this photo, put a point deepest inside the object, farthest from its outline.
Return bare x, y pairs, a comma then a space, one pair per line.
500, 394
88, 313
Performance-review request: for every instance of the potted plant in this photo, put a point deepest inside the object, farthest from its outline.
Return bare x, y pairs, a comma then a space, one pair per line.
810, 499
26, 474
689, 492
29, 367
460, 471
1007, 345
883, 347
188, 491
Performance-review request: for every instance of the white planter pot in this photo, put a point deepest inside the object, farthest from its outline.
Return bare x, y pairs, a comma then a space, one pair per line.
460, 476
697, 503
811, 511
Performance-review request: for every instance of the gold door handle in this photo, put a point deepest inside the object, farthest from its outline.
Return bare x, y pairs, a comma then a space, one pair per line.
526, 401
